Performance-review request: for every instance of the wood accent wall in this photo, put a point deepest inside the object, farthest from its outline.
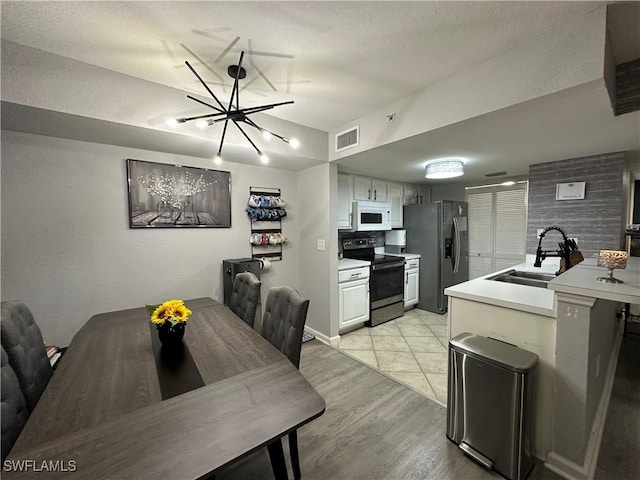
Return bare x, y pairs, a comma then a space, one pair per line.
628, 87
597, 221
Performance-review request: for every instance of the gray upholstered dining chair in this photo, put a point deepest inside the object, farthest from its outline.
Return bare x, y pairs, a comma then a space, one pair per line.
14, 406
283, 325
22, 340
245, 297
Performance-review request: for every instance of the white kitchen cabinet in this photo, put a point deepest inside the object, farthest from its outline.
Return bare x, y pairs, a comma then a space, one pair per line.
423, 194
395, 194
369, 189
379, 189
409, 194
361, 188
415, 194
353, 298
345, 200
411, 282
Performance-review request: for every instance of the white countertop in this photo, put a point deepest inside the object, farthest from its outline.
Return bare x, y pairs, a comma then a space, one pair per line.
510, 295
582, 280
407, 256
578, 280
347, 263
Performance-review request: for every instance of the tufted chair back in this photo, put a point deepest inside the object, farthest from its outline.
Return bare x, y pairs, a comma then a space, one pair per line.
283, 321
22, 340
245, 297
14, 406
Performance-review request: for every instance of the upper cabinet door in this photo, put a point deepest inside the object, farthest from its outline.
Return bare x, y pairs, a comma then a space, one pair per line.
378, 190
362, 188
345, 200
410, 194
395, 193
423, 194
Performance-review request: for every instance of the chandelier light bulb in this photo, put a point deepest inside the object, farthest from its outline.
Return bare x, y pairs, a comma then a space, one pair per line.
172, 122
294, 142
233, 113
217, 159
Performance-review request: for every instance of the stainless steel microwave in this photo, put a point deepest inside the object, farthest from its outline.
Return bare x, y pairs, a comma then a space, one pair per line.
371, 216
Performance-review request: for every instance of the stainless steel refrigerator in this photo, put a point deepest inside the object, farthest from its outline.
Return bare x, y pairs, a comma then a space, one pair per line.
438, 232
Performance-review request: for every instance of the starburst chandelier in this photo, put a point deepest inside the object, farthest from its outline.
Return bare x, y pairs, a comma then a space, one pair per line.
233, 112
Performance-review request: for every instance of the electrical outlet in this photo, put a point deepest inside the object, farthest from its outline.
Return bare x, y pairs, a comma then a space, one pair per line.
321, 244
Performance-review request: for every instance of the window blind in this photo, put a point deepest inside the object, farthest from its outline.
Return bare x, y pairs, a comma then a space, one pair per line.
497, 227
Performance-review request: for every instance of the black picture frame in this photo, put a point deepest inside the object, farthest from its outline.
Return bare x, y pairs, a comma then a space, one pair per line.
162, 195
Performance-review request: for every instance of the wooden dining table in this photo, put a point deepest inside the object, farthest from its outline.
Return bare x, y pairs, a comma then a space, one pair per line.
122, 406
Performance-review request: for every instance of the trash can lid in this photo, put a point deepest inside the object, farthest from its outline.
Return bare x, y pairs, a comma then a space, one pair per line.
494, 351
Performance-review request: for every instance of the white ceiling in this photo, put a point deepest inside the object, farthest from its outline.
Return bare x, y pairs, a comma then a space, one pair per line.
338, 61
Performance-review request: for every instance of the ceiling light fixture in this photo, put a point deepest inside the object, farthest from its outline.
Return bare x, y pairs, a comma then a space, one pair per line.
444, 168
233, 112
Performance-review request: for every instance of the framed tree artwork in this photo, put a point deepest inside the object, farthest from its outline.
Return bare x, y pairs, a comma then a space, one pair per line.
174, 196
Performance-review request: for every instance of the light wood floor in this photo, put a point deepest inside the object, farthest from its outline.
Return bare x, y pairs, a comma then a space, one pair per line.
373, 428
619, 452
376, 428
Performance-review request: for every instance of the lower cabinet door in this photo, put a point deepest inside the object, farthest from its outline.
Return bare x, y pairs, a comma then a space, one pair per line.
354, 302
411, 279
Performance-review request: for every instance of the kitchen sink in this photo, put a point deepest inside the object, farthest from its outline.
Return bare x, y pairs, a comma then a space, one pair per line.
546, 277
531, 279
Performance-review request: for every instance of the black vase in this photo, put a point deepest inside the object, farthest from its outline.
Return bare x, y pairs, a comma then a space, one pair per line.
171, 335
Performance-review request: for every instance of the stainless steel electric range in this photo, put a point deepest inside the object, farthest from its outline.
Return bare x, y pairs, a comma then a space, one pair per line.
386, 281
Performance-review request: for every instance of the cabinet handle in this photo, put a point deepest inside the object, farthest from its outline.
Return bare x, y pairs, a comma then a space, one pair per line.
375, 194
369, 194
406, 278
355, 275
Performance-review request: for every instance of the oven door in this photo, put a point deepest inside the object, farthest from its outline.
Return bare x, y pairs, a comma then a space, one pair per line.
386, 283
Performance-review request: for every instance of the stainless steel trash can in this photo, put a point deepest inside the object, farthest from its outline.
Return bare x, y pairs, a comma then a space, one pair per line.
489, 403
233, 266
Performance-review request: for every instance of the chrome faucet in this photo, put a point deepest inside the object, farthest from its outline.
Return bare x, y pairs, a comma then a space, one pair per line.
563, 252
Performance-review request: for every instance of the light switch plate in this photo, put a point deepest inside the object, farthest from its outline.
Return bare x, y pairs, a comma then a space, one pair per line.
321, 244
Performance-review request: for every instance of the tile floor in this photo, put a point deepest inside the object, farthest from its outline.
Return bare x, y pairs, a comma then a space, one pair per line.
411, 349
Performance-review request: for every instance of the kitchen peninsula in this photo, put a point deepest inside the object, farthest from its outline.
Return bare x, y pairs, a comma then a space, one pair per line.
573, 327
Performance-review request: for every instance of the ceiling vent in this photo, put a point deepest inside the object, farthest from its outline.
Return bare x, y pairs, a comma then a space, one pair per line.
348, 139
495, 174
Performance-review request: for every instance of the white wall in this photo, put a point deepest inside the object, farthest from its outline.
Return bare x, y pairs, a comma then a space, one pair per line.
546, 64
55, 83
451, 191
67, 249
318, 268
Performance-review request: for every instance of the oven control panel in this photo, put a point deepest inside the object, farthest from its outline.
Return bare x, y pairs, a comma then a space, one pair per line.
355, 243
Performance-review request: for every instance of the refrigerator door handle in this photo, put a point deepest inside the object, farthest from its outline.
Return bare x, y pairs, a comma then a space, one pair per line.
456, 246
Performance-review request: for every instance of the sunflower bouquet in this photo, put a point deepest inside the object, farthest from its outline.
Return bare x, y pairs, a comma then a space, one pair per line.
173, 311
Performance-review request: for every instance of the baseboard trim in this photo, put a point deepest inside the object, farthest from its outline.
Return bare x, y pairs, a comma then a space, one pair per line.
569, 469
332, 341
565, 468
